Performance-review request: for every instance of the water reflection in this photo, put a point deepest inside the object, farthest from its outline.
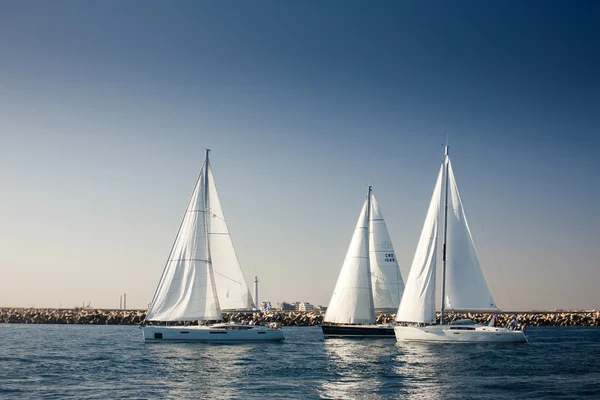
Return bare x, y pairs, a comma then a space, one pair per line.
383, 369
417, 364
195, 370
358, 367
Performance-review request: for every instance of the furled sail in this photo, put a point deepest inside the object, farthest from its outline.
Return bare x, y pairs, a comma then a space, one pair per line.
418, 300
230, 283
186, 290
352, 299
466, 287
386, 279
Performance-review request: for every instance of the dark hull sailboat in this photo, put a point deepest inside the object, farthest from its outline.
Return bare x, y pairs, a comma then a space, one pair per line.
358, 331
369, 279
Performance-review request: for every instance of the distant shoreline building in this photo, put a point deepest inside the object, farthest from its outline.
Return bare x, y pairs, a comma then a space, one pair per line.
287, 306
303, 306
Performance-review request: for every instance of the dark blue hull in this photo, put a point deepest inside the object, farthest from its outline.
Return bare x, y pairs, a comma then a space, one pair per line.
359, 331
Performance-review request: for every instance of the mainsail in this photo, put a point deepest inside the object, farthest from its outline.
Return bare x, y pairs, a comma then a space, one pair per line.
186, 290
229, 279
352, 299
418, 300
466, 287
386, 279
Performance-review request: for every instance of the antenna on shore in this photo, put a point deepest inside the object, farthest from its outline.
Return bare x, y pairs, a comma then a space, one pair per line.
256, 293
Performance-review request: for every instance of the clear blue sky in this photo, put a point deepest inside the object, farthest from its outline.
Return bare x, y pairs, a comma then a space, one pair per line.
105, 107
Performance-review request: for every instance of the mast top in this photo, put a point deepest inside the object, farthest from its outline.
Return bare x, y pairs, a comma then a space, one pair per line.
446, 147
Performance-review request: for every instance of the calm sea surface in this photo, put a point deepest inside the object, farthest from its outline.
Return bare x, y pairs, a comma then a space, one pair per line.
112, 362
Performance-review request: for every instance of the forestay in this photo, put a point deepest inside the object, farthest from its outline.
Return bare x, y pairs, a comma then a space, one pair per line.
230, 283
418, 300
386, 279
466, 287
352, 299
185, 291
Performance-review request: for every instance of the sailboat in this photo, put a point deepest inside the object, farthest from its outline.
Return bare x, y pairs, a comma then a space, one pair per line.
369, 280
464, 287
202, 275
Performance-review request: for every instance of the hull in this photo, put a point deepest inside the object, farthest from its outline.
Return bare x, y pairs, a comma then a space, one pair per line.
458, 334
206, 334
358, 331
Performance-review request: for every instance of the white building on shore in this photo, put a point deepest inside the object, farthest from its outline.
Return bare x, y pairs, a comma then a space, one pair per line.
305, 306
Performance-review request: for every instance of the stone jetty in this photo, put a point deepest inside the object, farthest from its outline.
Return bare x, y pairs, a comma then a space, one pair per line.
88, 316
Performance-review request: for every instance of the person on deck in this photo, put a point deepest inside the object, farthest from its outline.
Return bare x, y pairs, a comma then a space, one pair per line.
513, 324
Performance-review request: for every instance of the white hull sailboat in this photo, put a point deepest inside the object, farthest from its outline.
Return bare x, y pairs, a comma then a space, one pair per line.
463, 285
369, 280
202, 275
218, 333
459, 334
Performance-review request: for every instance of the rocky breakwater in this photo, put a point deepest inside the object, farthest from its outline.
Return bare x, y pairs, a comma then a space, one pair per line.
567, 318
84, 316
285, 318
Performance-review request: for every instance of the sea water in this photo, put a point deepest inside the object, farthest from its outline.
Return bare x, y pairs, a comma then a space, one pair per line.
113, 362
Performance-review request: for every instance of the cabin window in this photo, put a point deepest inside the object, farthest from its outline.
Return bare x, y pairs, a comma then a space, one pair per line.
261, 333
184, 332
157, 335
218, 333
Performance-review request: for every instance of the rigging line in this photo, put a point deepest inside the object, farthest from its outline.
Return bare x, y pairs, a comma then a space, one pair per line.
484, 267
219, 198
495, 264
225, 276
232, 213
212, 214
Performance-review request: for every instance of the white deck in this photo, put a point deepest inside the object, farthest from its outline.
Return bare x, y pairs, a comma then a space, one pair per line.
222, 333
458, 334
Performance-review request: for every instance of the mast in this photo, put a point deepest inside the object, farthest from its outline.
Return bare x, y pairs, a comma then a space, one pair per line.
207, 230
368, 249
446, 161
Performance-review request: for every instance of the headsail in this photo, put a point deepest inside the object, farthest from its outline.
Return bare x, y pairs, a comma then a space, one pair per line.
185, 291
352, 299
230, 283
466, 287
418, 300
386, 279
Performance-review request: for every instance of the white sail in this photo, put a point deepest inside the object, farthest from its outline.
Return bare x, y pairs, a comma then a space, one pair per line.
186, 291
386, 279
418, 300
352, 299
230, 283
466, 287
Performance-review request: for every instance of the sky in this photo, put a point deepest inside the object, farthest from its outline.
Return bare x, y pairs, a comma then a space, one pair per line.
106, 107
